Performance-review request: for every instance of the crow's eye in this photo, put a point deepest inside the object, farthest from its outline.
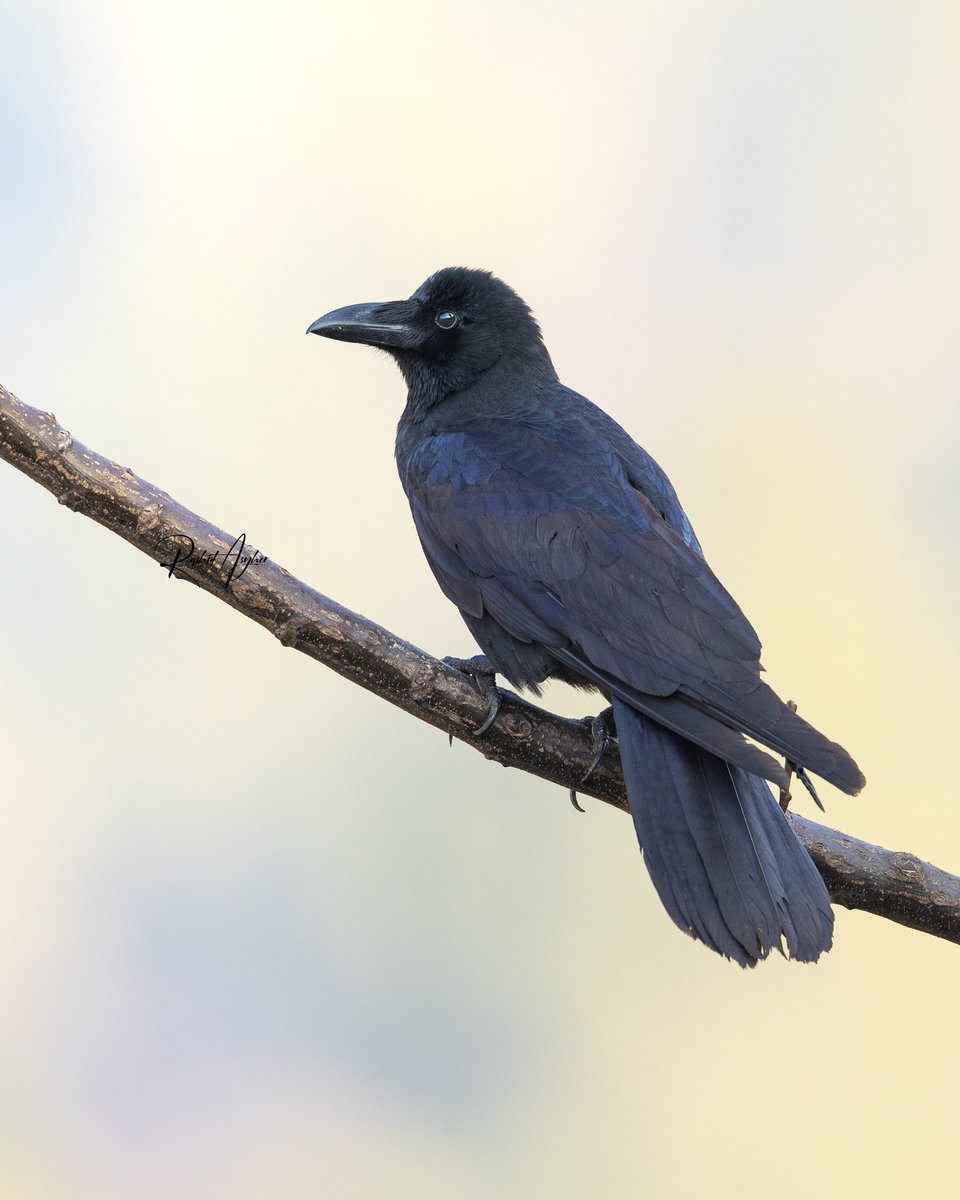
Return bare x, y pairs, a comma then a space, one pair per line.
446, 319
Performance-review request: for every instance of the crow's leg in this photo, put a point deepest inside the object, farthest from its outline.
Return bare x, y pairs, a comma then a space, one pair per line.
483, 673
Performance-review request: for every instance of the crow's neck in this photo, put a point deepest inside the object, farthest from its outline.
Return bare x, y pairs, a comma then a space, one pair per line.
431, 387
427, 387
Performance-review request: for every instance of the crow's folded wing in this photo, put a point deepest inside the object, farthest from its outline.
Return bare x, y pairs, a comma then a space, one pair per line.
537, 525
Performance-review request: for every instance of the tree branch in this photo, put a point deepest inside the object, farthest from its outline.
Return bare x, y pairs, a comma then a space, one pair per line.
893, 885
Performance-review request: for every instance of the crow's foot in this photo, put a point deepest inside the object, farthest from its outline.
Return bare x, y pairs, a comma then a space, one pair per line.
602, 732
483, 673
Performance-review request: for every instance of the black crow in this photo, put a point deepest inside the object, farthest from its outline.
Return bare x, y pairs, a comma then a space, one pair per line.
564, 546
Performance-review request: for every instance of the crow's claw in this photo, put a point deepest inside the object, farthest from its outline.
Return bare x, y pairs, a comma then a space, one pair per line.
602, 730
491, 694
483, 673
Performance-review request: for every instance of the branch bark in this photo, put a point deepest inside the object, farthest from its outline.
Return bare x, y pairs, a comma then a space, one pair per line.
858, 875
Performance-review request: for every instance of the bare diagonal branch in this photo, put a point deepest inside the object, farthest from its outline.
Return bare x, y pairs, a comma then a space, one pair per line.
893, 885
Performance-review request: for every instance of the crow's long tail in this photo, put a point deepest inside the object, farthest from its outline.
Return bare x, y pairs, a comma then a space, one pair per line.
720, 852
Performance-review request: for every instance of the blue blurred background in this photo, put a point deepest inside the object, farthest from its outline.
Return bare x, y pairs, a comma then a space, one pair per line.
261, 934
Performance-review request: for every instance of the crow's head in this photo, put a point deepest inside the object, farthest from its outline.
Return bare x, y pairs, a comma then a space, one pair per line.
454, 328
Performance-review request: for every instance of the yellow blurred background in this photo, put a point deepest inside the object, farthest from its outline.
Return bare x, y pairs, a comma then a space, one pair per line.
262, 935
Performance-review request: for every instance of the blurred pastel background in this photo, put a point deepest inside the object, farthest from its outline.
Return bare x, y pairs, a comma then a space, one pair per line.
262, 935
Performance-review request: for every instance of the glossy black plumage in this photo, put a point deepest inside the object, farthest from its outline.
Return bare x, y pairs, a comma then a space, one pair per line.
566, 550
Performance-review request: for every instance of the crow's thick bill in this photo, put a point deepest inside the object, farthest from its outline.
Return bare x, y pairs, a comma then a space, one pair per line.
566, 550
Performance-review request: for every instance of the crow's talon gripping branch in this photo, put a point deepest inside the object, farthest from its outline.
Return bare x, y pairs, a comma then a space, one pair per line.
483, 673
602, 733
